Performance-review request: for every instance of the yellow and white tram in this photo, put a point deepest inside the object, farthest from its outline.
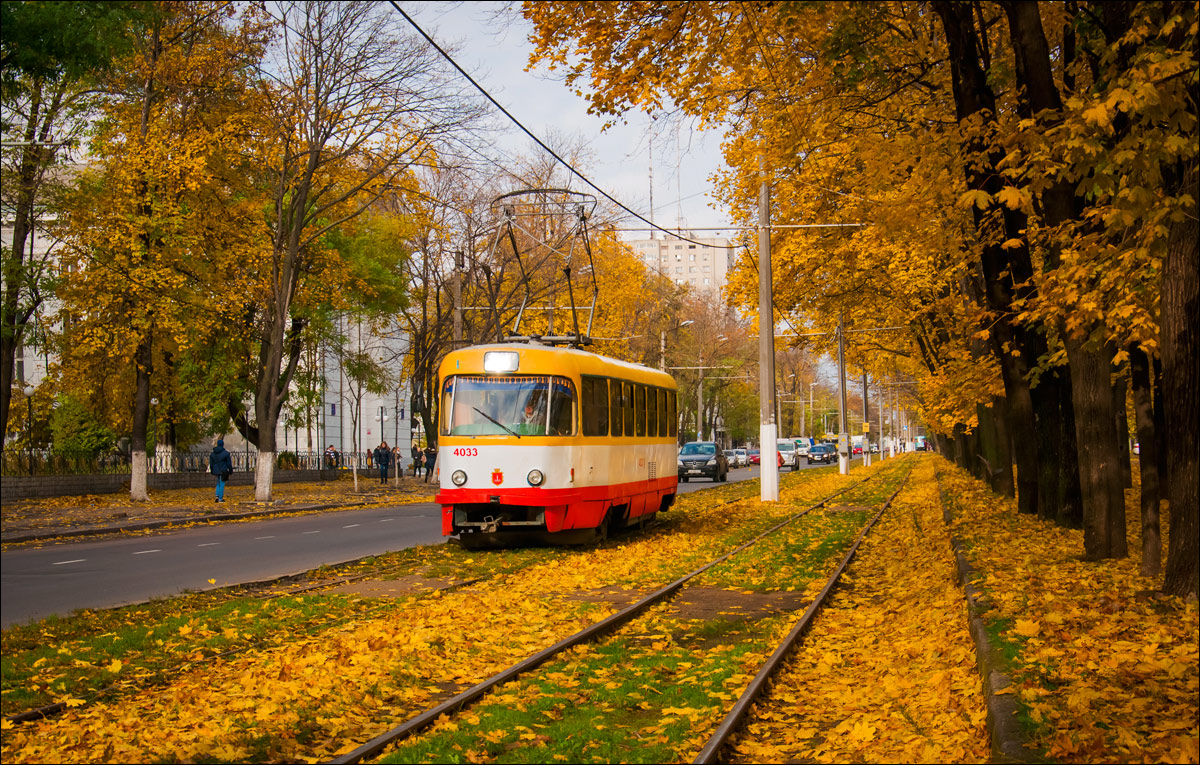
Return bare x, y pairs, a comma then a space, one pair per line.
555, 441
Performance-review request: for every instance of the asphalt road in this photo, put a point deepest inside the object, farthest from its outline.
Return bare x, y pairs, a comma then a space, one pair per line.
64, 577
58, 579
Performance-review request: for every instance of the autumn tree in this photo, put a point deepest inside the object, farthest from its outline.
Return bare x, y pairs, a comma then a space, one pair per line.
148, 226
348, 107
1000, 148
52, 56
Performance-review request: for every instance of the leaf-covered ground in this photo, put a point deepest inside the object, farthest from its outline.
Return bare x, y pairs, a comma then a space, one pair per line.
1104, 671
887, 671
305, 698
1105, 668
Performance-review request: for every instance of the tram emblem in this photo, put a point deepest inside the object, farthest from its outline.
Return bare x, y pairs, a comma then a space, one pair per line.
497, 476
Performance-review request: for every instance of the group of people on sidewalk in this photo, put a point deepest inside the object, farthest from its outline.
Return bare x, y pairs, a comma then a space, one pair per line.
220, 462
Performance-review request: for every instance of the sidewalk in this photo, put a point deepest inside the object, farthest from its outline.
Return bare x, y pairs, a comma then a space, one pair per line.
50, 518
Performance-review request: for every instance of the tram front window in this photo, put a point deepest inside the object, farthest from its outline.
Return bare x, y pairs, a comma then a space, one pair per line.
518, 406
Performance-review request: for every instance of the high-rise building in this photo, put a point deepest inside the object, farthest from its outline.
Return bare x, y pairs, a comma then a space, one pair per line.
702, 263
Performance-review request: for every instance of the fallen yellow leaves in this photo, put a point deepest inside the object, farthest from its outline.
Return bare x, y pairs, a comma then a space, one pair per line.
887, 672
1107, 668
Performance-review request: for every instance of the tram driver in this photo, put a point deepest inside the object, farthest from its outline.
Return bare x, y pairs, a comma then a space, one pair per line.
533, 420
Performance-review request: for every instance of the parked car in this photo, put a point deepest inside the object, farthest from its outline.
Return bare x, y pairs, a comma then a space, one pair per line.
702, 459
822, 453
787, 449
743, 457
731, 457
753, 456
874, 448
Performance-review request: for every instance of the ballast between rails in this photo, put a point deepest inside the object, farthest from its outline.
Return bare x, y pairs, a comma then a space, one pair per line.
426, 718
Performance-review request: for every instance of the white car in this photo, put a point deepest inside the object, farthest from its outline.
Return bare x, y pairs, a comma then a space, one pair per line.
743, 459
787, 450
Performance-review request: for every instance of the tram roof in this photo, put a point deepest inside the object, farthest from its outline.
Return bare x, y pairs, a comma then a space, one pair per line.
582, 362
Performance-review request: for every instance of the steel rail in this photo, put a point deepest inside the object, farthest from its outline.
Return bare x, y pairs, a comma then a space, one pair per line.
727, 727
426, 718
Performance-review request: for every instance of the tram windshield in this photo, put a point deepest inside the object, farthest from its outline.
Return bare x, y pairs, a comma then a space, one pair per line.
485, 405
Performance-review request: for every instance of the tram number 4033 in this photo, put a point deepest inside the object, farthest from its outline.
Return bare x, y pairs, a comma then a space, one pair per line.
467, 452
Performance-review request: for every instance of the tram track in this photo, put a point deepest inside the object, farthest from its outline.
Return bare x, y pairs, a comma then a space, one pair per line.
466, 698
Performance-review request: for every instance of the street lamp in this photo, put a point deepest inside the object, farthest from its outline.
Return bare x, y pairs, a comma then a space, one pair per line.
28, 391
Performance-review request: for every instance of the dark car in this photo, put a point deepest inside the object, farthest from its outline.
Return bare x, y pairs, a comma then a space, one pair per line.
822, 453
702, 459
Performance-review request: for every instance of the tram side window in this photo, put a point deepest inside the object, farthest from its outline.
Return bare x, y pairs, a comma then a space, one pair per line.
639, 410
652, 397
627, 407
614, 408
595, 406
672, 418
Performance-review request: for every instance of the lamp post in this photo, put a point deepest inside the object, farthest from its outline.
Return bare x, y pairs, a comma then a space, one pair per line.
28, 391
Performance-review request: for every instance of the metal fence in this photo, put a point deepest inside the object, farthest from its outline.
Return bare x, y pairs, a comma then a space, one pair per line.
14, 462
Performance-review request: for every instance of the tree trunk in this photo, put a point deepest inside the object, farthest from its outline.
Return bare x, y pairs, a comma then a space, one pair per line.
1121, 424
1139, 372
1004, 459
1104, 533
1070, 502
1180, 342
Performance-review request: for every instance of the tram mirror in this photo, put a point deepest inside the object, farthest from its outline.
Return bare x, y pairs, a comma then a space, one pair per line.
499, 362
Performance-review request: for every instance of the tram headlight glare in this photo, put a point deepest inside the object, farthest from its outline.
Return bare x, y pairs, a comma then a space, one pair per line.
458, 477
536, 477
499, 362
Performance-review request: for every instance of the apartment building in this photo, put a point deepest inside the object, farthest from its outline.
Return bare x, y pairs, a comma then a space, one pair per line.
702, 263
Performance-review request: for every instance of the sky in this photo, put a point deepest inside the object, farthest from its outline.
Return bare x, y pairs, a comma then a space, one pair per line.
496, 52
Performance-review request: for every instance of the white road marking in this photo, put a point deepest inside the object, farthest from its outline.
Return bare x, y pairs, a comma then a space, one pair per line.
312, 532
65, 562
352, 525
270, 537
208, 544
385, 520
143, 552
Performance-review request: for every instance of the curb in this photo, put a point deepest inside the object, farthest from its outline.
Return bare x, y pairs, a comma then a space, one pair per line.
1008, 740
118, 528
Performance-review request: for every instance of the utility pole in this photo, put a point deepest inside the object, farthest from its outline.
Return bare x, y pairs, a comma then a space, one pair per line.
768, 469
843, 431
866, 426
456, 286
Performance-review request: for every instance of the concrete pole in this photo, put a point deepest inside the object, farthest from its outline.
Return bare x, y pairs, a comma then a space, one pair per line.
700, 405
768, 469
456, 286
844, 447
867, 422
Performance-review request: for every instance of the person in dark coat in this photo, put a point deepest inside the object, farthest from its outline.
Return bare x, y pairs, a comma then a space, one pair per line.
220, 464
430, 459
383, 460
416, 458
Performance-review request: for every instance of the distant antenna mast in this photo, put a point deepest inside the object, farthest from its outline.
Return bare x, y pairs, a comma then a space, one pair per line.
653, 234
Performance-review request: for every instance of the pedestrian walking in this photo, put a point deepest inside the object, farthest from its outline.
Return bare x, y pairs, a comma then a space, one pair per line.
331, 457
416, 458
220, 464
383, 460
430, 460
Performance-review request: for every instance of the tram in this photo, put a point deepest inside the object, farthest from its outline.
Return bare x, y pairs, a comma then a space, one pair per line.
554, 443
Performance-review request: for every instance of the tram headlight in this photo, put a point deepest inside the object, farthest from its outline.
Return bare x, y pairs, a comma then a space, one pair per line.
458, 477
499, 362
536, 477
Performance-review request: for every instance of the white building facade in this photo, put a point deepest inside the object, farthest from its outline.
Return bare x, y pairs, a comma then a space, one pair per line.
703, 263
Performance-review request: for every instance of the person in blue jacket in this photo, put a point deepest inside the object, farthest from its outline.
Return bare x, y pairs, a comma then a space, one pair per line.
220, 464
